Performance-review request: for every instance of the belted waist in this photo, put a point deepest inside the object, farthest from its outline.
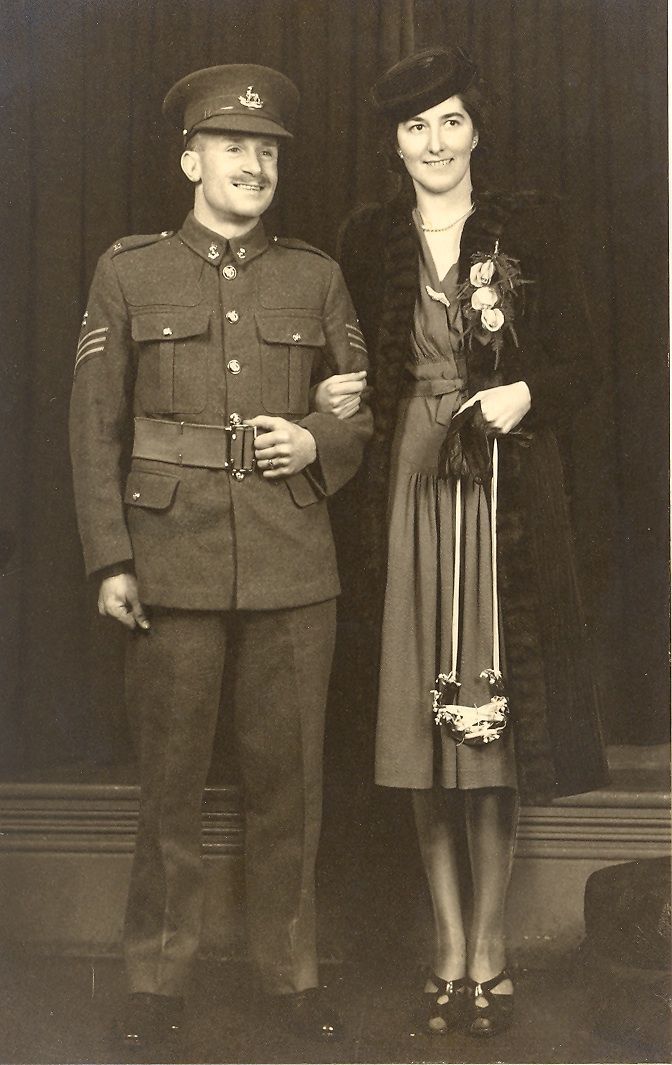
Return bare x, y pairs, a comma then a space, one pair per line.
435, 386
213, 447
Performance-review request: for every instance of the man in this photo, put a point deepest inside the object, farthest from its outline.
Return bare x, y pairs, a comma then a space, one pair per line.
197, 356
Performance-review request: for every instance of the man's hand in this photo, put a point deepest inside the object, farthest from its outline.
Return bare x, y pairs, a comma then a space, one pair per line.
282, 448
503, 407
341, 394
118, 598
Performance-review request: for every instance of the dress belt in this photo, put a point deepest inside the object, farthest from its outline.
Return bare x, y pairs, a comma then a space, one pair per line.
212, 447
439, 386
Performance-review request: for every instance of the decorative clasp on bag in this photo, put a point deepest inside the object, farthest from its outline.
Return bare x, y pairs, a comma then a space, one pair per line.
240, 447
471, 725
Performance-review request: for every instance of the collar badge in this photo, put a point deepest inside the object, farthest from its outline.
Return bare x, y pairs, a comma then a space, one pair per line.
213, 251
251, 99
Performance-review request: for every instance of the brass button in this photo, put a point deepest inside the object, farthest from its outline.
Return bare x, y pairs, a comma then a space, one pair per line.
136, 495
229, 272
232, 316
167, 331
233, 366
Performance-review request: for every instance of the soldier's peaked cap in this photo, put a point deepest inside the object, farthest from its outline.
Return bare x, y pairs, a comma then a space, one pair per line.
421, 81
240, 97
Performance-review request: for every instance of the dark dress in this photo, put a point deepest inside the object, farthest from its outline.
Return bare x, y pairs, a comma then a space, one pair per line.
418, 610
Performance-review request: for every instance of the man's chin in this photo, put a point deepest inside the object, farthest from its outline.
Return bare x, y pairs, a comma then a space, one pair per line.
251, 205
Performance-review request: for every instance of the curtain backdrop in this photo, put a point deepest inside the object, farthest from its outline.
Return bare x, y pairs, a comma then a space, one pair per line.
87, 159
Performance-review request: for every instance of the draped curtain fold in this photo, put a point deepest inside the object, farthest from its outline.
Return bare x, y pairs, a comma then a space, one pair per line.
582, 110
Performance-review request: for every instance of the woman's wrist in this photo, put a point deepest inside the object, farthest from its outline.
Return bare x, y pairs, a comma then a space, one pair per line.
523, 390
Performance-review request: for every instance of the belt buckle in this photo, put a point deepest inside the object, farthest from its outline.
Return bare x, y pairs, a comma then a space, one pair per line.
241, 457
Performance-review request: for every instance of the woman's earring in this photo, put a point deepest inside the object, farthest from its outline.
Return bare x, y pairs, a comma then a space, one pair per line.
400, 153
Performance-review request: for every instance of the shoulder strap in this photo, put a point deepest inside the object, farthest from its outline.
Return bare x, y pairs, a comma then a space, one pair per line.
142, 240
299, 245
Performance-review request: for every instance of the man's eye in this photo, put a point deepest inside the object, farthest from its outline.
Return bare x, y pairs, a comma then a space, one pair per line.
233, 148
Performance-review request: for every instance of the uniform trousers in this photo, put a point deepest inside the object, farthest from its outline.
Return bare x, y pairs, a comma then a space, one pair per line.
281, 662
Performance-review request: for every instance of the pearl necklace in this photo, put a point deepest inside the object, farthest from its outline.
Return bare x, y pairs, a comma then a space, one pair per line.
442, 229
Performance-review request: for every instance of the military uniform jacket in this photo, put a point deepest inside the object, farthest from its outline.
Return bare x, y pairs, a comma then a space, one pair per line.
193, 328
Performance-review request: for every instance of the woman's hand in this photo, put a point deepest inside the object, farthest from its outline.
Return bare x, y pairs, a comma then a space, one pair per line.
341, 394
503, 407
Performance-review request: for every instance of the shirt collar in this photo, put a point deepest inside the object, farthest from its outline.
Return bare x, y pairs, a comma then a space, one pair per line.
215, 249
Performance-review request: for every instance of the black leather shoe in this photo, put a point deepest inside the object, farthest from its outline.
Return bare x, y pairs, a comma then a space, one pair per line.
441, 1009
309, 1014
151, 1020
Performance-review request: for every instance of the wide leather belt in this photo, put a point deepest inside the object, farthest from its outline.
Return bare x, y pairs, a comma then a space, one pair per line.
212, 447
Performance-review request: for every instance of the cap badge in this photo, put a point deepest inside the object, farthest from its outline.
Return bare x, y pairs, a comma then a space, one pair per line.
213, 251
251, 99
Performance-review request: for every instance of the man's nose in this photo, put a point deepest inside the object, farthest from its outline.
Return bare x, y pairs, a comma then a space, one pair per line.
251, 162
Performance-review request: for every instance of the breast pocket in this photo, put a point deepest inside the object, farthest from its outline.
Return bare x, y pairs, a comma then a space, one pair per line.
173, 359
290, 347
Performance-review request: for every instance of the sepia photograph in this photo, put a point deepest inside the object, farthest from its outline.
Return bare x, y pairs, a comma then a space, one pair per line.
335, 532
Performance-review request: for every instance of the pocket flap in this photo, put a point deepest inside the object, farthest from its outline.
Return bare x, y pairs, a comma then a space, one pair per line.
291, 329
145, 488
173, 323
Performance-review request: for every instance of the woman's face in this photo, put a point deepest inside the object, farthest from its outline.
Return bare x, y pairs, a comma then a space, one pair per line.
436, 146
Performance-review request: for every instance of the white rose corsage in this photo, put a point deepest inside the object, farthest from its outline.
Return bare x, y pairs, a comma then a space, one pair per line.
488, 299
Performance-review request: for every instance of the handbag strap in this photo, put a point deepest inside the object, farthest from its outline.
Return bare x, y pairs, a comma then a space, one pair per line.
457, 572
493, 548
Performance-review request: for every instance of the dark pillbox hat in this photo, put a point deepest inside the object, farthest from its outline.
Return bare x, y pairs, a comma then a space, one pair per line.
240, 97
421, 81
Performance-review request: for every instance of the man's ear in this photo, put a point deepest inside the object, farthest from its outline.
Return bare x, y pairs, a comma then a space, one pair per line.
190, 162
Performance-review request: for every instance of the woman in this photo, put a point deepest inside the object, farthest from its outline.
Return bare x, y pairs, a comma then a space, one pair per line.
479, 566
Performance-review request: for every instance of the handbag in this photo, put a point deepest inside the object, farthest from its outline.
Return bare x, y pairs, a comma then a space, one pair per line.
467, 448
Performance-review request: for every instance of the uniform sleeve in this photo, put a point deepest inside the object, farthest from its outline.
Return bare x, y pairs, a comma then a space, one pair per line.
101, 419
340, 442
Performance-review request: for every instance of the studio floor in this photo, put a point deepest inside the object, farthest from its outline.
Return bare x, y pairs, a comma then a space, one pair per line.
62, 1010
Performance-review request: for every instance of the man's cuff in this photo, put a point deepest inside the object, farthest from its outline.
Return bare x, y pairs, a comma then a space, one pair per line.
115, 570
315, 476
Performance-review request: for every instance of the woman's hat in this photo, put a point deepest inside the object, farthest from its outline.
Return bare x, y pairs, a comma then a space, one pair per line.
240, 97
421, 81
